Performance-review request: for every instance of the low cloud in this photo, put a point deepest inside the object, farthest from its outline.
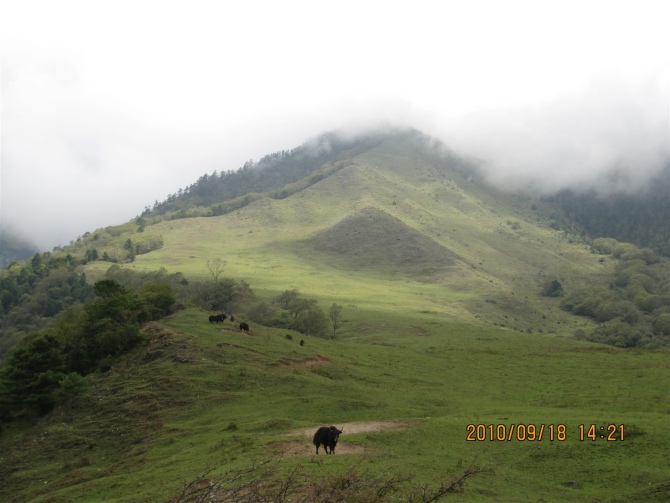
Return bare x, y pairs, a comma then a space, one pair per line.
96, 127
612, 135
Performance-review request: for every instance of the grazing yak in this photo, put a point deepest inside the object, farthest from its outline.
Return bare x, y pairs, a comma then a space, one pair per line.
232, 318
244, 326
302, 342
219, 318
328, 437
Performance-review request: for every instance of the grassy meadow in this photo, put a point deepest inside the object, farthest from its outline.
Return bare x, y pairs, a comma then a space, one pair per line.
423, 352
207, 397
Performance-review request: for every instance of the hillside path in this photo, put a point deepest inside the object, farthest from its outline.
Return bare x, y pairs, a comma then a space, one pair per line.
304, 446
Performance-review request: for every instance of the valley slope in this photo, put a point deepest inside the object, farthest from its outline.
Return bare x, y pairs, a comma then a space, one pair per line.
408, 226
445, 332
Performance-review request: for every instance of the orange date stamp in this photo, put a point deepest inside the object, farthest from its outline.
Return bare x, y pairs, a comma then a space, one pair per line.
537, 432
519, 432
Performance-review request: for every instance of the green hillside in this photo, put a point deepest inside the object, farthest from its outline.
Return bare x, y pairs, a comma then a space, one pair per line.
455, 351
399, 219
200, 397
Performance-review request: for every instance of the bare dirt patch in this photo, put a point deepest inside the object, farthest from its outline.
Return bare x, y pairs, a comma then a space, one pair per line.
304, 446
308, 362
353, 428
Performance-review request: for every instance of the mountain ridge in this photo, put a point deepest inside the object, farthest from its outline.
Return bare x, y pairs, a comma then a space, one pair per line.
484, 332
504, 247
435, 197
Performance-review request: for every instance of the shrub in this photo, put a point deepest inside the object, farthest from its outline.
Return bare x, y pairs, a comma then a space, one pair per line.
552, 288
661, 324
616, 333
158, 300
603, 246
31, 376
617, 309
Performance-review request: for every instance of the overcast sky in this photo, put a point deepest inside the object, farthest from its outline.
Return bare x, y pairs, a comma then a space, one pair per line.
109, 106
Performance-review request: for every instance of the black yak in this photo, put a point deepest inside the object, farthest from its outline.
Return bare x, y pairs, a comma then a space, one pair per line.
212, 318
302, 342
244, 326
328, 437
232, 318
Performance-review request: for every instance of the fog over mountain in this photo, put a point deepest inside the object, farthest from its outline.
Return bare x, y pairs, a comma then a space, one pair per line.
610, 136
108, 109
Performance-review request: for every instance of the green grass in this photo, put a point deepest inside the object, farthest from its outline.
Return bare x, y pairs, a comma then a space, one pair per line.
440, 351
153, 422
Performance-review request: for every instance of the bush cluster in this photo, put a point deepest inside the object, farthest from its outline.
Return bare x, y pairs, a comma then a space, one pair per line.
81, 341
634, 310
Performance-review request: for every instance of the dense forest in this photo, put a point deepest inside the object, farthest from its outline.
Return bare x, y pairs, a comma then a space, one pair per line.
634, 309
273, 175
77, 328
642, 218
33, 292
50, 364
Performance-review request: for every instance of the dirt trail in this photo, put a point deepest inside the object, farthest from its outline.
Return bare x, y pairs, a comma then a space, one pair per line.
304, 446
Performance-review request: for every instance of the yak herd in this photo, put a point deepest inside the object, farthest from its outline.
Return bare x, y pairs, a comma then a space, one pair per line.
220, 318
326, 436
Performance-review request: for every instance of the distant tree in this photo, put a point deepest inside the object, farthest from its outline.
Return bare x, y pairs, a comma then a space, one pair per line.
70, 387
603, 246
31, 376
305, 315
108, 327
335, 314
217, 296
579, 334
216, 267
287, 298
311, 321
107, 288
158, 299
553, 288
91, 255
262, 314
301, 305
623, 309
130, 246
616, 333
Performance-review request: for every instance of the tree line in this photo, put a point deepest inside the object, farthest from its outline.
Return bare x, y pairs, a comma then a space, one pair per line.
91, 326
293, 311
642, 218
48, 365
80, 341
226, 191
33, 292
633, 310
